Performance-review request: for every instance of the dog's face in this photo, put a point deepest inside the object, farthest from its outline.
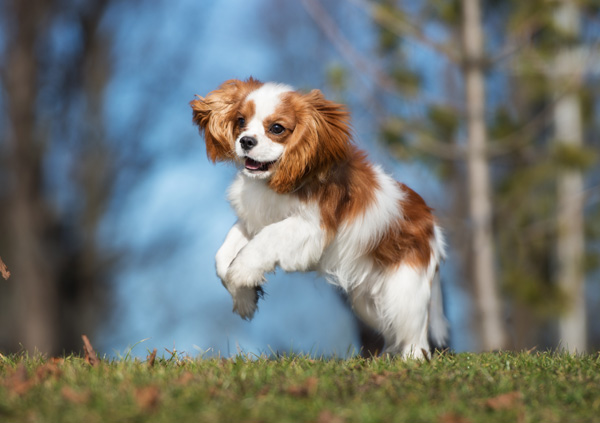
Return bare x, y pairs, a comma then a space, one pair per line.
266, 122
274, 132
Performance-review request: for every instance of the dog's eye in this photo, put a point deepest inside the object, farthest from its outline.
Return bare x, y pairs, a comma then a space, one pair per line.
241, 122
277, 129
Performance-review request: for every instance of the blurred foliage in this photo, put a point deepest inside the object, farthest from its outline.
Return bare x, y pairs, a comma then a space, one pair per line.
337, 78
447, 12
394, 136
407, 80
444, 120
572, 157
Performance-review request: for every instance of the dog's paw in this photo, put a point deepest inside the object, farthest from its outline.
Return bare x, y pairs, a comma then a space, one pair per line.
244, 273
245, 301
409, 352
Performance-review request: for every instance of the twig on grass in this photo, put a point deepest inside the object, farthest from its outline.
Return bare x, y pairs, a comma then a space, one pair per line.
90, 355
4, 270
152, 358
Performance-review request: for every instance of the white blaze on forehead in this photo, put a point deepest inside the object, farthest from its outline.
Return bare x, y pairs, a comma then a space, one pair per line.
266, 99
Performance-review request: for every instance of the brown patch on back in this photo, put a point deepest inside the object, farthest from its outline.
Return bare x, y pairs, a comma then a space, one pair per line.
344, 193
407, 241
349, 189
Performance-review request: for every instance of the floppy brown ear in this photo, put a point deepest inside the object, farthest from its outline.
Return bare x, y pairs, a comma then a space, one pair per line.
215, 115
218, 145
321, 139
296, 161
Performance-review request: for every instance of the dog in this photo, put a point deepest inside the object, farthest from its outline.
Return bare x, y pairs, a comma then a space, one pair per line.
308, 199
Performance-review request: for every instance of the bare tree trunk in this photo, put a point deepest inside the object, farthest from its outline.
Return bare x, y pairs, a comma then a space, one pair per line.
480, 208
33, 270
570, 240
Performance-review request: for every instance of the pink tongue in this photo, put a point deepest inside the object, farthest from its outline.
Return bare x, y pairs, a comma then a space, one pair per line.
252, 164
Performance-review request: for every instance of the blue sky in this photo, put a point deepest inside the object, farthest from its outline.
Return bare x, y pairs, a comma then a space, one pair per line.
178, 301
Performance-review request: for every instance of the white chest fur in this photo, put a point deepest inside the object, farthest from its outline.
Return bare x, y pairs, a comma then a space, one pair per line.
258, 206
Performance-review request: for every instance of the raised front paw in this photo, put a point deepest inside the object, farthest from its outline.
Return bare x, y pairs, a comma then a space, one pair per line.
245, 301
244, 273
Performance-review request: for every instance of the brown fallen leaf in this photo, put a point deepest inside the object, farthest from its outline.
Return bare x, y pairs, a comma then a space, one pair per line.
57, 360
184, 379
386, 376
378, 379
452, 418
307, 388
147, 397
90, 355
152, 358
264, 391
507, 401
4, 270
327, 416
19, 382
46, 370
75, 397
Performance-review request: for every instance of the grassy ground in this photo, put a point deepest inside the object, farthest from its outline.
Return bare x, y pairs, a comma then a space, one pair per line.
500, 387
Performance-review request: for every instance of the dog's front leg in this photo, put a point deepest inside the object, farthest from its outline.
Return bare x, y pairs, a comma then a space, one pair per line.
236, 239
294, 244
244, 298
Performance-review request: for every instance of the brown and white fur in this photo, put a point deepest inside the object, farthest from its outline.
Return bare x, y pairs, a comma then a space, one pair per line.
307, 199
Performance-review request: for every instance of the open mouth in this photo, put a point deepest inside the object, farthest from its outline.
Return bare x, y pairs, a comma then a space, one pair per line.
255, 166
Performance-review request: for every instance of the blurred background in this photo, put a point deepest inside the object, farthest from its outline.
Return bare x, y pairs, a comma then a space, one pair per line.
110, 212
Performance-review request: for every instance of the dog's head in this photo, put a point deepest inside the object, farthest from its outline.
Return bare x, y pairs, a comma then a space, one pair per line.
276, 133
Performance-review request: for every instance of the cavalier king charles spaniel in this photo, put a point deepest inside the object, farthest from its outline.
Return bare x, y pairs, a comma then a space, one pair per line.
307, 199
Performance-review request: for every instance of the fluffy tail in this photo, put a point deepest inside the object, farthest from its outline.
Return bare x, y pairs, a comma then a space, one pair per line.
438, 324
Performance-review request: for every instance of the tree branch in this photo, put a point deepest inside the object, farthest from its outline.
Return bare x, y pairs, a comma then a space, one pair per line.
404, 28
335, 36
332, 32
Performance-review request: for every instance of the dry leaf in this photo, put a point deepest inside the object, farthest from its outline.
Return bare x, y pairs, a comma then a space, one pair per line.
308, 388
506, 401
76, 397
46, 370
185, 378
90, 355
327, 416
380, 378
147, 397
264, 391
453, 418
18, 382
4, 270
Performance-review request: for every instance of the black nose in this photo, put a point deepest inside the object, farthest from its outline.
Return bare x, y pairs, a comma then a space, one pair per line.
248, 142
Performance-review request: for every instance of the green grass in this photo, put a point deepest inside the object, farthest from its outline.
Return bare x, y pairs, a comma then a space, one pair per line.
498, 387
